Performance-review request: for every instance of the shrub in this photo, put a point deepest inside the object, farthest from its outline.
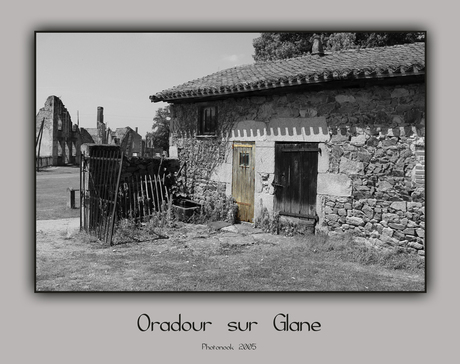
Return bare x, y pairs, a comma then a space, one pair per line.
156, 225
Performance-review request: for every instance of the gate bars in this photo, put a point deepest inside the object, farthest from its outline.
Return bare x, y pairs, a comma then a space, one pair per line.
106, 198
99, 180
140, 197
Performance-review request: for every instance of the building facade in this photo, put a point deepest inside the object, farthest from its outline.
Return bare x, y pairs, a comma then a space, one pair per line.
58, 141
336, 138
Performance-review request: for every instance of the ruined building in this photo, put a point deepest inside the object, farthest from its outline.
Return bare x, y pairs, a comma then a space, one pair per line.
58, 141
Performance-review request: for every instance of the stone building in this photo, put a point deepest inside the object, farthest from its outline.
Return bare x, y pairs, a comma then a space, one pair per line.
128, 139
338, 138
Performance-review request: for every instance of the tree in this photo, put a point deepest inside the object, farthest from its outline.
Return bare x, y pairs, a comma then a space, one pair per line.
159, 135
279, 45
382, 39
339, 41
271, 46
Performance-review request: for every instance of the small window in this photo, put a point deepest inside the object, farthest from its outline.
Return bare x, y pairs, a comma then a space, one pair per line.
244, 159
59, 126
208, 120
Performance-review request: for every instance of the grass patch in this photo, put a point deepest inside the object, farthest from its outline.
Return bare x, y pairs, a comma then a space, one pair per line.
51, 193
345, 248
195, 258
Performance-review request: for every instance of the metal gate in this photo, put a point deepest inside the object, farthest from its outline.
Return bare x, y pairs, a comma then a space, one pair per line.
109, 194
100, 171
142, 196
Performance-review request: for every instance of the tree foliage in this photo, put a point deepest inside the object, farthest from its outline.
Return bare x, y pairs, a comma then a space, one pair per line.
270, 46
382, 39
160, 128
278, 45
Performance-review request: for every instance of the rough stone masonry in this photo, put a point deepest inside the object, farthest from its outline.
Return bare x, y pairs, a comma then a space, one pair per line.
371, 172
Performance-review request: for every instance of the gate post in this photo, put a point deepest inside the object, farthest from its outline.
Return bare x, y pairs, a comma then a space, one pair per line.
71, 200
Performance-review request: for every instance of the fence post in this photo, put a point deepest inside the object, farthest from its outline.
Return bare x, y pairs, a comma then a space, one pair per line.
71, 201
112, 220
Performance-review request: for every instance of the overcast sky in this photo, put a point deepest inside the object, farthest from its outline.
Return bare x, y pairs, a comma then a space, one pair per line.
119, 71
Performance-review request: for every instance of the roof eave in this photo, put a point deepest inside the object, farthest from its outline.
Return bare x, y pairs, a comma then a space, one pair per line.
198, 95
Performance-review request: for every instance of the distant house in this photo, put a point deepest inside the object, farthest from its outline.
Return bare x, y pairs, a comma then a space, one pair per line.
128, 139
338, 138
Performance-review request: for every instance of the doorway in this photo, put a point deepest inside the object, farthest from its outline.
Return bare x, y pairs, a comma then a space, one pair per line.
296, 172
243, 177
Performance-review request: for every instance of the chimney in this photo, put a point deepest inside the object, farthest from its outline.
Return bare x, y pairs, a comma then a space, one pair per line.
136, 130
317, 47
101, 132
100, 114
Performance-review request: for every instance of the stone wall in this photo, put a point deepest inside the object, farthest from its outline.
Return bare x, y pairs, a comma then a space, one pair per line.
47, 114
382, 222
135, 167
201, 170
43, 162
371, 170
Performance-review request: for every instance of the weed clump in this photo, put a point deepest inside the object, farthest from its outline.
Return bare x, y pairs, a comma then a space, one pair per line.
267, 222
148, 228
272, 223
216, 207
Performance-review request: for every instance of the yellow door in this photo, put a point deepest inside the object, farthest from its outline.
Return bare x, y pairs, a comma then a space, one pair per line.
243, 177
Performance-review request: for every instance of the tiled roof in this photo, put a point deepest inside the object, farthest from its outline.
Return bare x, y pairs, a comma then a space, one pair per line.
93, 133
395, 61
86, 136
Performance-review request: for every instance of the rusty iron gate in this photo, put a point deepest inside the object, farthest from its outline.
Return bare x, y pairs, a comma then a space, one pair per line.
100, 171
108, 195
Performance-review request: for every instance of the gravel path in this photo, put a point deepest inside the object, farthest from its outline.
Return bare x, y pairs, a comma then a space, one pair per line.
70, 225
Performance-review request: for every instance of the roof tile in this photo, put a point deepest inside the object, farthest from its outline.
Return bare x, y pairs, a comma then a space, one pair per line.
399, 60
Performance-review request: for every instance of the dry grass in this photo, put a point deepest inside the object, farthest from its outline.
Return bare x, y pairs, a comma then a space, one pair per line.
196, 258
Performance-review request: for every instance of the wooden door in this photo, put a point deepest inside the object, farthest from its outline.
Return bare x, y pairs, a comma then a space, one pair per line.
243, 176
296, 170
